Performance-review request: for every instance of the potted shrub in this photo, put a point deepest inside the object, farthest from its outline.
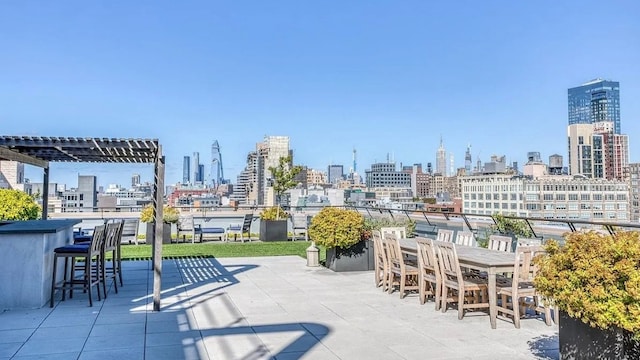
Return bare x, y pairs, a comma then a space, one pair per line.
273, 224
509, 227
342, 233
594, 279
18, 205
170, 216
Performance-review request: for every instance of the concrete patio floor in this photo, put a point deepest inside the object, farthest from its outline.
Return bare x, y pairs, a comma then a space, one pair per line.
261, 308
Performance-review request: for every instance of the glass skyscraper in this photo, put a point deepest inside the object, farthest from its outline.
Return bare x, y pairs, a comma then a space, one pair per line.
595, 101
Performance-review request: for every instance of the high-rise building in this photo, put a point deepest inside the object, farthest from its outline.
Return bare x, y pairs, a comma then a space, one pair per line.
441, 159
467, 159
595, 101
335, 173
135, 180
186, 170
217, 172
12, 175
196, 167
200, 178
595, 151
385, 175
633, 177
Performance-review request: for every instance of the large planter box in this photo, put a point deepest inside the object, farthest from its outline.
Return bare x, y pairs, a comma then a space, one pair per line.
359, 257
166, 233
273, 230
580, 341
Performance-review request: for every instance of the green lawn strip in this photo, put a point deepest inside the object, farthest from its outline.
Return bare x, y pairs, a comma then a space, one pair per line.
248, 249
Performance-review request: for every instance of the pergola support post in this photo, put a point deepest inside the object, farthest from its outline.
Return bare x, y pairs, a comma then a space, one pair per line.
45, 194
158, 201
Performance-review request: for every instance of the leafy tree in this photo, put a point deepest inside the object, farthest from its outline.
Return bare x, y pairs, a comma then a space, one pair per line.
17, 205
283, 176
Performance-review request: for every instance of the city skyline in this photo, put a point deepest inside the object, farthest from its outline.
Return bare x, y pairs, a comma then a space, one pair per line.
331, 76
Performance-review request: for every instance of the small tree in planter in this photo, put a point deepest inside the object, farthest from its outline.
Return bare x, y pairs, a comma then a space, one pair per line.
594, 279
273, 224
510, 227
18, 205
273, 221
342, 233
170, 215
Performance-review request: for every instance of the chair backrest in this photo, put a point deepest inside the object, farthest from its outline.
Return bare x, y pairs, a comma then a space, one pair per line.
445, 235
427, 258
465, 238
399, 231
529, 242
185, 223
500, 243
246, 222
97, 240
112, 235
379, 248
448, 261
299, 221
524, 269
129, 231
393, 250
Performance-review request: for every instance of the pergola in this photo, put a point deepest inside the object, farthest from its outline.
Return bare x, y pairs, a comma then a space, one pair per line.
40, 151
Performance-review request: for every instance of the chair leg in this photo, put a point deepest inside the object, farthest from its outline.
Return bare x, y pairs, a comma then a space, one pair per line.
403, 279
88, 279
516, 311
438, 297
53, 279
460, 304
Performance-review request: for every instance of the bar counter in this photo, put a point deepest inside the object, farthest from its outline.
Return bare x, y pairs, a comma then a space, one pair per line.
26, 260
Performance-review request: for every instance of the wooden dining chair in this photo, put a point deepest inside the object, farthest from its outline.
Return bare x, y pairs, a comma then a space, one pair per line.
518, 293
465, 238
529, 242
405, 274
381, 272
429, 277
469, 292
444, 235
399, 231
500, 243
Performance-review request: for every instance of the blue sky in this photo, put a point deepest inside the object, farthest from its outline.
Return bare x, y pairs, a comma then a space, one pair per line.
380, 76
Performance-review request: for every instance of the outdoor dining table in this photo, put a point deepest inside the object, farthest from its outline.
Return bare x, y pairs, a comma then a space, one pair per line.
491, 261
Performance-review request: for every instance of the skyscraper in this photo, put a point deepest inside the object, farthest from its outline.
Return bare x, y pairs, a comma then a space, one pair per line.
467, 160
217, 173
595, 101
196, 167
335, 173
441, 160
186, 169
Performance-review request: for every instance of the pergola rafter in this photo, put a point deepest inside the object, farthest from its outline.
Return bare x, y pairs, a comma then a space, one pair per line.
40, 151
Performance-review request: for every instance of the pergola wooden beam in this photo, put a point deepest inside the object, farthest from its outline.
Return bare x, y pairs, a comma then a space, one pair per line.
11, 155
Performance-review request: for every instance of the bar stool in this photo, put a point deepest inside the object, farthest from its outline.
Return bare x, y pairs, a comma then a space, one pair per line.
89, 253
111, 245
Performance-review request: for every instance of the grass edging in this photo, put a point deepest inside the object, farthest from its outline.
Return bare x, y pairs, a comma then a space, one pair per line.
220, 250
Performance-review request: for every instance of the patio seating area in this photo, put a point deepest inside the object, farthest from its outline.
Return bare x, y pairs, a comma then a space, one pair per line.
260, 308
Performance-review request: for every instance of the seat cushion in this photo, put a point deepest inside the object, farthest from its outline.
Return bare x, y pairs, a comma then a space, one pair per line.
235, 227
75, 248
80, 237
212, 230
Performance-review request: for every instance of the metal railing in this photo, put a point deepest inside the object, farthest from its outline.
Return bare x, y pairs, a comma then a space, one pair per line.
427, 221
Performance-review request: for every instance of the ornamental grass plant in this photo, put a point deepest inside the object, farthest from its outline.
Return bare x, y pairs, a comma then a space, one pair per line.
595, 278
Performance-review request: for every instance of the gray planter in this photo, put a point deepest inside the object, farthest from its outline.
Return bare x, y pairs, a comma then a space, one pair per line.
358, 257
273, 230
580, 341
166, 233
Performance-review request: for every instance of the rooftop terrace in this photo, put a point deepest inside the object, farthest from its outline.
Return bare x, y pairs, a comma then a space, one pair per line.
261, 308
